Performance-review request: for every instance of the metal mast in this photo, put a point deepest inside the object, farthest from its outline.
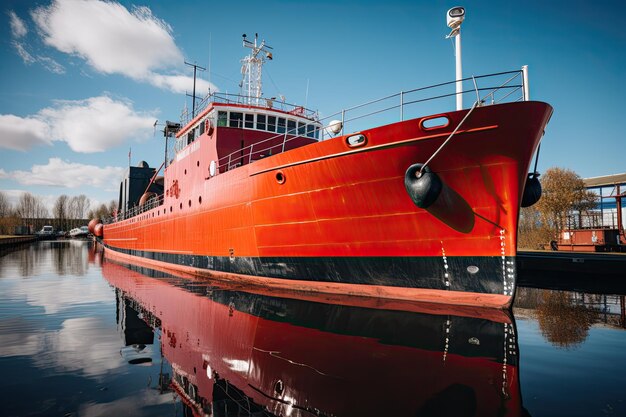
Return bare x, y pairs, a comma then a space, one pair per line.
193, 96
252, 68
454, 18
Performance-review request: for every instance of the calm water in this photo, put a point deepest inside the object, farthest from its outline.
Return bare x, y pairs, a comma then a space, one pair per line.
84, 336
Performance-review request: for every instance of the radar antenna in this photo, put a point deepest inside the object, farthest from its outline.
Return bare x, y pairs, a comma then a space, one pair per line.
252, 68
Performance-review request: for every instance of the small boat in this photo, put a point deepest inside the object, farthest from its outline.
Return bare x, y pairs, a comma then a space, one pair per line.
79, 232
266, 193
46, 232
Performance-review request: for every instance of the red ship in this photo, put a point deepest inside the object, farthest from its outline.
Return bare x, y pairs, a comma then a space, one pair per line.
236, 353
261, 192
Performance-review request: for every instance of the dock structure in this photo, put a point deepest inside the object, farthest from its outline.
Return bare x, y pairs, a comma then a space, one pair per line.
602, 228
9, 241
611, 265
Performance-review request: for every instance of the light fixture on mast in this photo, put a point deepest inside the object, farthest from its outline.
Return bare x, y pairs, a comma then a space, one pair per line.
252, 68
454, 18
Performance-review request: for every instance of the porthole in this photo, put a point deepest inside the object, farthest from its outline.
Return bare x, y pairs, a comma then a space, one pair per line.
170, 209
200, 200
185, 172
181, 206
356, 140
189, 203
434, 122
198, 163
280, 177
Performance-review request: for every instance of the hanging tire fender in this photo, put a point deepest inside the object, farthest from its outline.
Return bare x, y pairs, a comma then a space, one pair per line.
532, 190
423, 188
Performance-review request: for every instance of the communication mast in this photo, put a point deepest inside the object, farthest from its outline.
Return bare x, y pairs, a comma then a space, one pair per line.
252, 68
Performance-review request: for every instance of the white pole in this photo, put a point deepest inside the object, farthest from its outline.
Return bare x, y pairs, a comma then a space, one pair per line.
459, 73
526, 86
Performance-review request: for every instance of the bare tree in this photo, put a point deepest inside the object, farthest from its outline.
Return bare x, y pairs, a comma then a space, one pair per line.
112, 207
7, 217
81, 203
103, 210
5, 205
25, 208
71, 208
30, 209
60, 210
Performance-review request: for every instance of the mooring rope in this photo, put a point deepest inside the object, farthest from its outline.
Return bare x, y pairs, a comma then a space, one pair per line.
419, 174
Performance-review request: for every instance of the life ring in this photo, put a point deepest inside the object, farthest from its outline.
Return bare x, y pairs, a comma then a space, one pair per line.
209, 127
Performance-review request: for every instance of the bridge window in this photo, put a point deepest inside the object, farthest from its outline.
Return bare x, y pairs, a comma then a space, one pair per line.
310, 131
260, 121
249, 121
236, 119
301, 129
291, 127
222, 118
282, 123
271, 123
202, 127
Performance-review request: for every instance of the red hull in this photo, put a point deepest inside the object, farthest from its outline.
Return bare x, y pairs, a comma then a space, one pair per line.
341, 215
330, 360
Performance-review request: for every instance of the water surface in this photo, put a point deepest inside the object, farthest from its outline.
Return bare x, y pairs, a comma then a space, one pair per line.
85, 336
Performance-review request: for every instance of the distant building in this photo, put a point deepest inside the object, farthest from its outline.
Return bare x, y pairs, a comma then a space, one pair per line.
607, 187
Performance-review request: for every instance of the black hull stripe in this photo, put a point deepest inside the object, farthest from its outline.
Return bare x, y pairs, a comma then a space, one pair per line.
398, 271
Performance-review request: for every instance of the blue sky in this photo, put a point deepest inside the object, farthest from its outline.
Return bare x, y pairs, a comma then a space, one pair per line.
83, 81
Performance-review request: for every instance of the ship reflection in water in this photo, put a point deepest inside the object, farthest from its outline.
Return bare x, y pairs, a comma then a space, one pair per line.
236, 353
82, 335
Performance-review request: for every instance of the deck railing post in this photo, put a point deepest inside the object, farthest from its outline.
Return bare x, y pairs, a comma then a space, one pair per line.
343, 120
401, 106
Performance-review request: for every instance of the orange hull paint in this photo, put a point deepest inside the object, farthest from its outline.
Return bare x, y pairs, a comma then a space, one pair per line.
337, 202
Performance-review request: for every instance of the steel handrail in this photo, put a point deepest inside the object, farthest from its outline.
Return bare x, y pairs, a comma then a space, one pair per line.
238, 157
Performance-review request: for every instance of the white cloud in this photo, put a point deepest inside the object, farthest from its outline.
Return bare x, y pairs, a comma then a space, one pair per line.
18, 33
108, 36
95, 124
65, 174
134, 405
114, 40
3, 174
91, 125
180, 83
23, 53
18, 27
83, 345
51, 65
21, 133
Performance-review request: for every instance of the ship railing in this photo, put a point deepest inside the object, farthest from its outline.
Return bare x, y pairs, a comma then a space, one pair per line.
269, 103
490, 89
135, 210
